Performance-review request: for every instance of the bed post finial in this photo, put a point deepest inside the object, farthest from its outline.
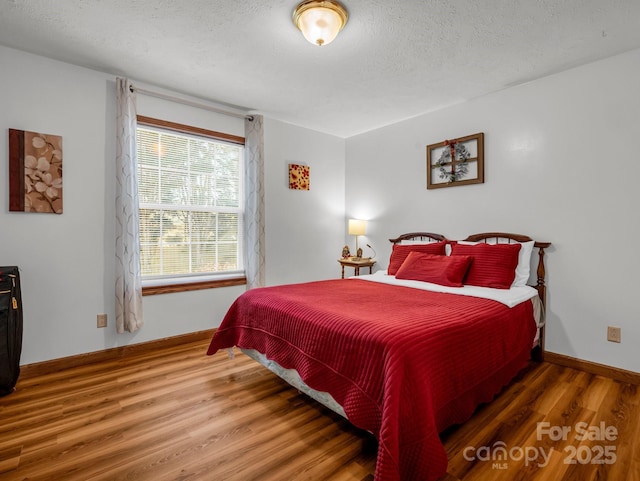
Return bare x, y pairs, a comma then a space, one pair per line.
541, 286
538, 351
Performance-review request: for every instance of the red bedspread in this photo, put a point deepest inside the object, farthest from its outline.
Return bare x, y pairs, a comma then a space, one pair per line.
403, 363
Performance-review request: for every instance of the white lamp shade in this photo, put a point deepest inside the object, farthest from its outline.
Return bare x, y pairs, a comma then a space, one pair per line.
357, 227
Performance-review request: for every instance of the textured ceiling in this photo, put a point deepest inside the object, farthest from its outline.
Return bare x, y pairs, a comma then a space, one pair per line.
394, 59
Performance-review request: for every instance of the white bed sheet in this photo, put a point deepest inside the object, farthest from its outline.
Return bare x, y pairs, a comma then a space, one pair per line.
509, 297
292, 377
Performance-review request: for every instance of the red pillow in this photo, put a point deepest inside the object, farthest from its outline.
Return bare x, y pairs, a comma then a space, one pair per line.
494, 265
443, 270
401, 251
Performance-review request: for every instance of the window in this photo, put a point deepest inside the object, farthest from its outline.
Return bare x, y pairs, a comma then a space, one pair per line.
191, 204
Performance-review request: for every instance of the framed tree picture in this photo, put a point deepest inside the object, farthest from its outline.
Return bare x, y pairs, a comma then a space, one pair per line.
456, 162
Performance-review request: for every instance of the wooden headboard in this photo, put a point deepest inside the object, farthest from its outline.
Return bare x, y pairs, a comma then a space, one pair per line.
497, 237
423, 236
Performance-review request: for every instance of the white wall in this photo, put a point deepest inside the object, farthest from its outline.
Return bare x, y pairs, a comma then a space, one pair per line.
66, 260
305, 229
561, 165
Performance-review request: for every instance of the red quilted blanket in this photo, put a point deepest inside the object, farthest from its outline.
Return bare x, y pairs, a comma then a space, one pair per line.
404, 363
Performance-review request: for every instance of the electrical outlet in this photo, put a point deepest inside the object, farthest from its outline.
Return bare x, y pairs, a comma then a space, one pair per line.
614, 334
102, 320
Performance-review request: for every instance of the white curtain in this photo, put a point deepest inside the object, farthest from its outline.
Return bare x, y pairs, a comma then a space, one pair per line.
128, 276
254, 202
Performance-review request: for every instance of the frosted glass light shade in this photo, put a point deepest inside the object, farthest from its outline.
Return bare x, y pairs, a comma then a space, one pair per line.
320, 21
357, 227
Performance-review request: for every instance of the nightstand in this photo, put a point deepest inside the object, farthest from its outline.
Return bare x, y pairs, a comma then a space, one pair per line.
356, 264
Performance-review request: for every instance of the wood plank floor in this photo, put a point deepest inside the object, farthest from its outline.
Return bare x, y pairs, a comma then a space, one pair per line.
176, 414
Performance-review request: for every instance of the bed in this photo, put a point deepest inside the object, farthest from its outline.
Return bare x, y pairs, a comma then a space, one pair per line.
400, 356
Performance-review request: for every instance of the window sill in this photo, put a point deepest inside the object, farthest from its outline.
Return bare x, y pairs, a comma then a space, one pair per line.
192, 286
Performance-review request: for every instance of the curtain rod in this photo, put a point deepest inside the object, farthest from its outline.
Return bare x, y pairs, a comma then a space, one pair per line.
171, 98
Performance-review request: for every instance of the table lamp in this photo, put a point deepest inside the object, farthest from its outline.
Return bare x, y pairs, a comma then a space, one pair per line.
356, 228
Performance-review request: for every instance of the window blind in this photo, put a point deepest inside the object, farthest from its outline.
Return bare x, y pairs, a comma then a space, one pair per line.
191, 204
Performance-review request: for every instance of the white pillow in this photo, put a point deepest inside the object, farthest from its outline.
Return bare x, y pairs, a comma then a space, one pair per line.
447, 248
524, 261
524, 264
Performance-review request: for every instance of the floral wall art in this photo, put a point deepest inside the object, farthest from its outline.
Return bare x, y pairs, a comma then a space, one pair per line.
299, 177
35, 172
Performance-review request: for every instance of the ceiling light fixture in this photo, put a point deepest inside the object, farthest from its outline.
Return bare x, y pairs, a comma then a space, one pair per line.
320, 20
